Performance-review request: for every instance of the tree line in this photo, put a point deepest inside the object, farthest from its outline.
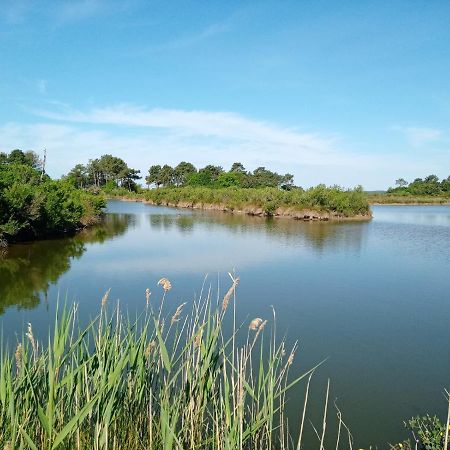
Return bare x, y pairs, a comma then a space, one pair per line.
430, 185
111, 172
186, 174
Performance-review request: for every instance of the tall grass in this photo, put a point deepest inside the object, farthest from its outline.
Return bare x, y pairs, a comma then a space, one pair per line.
194, 380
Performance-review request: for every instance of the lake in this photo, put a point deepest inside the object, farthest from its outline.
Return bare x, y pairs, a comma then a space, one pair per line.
372, 297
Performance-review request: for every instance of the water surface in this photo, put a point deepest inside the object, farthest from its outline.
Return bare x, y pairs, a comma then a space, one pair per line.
373, 298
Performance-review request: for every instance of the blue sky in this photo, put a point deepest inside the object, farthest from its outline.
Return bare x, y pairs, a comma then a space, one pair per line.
348, 92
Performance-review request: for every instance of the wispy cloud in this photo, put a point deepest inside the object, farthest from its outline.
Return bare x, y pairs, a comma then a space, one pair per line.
145, 136
420, 136
193, 39
226, 127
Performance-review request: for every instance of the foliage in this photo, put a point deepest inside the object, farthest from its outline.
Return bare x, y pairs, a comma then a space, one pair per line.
165, 382
430, 185
105, 170
321, 198
32, 205
185, 174
428, 431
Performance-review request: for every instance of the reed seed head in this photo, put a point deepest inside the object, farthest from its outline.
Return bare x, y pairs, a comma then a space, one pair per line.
147, 295
255, 324
19, 357
165, 283
176, 316
229, 293
105, 297
30, 336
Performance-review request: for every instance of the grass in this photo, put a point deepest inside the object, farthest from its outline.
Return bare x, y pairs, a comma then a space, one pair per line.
334, 201
407, 199
187, 380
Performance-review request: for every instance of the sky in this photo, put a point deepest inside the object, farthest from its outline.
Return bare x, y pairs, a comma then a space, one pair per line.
347, 92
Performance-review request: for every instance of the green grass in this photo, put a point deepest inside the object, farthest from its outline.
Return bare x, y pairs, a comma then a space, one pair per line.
407, 199
186, 380
334, 200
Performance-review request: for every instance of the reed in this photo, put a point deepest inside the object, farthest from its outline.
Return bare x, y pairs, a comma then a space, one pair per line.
179, 380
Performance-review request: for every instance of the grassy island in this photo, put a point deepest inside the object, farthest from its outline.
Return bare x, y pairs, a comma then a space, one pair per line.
32, 205
318, 203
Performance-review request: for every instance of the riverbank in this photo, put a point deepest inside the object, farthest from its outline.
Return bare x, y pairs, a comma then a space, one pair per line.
315, 204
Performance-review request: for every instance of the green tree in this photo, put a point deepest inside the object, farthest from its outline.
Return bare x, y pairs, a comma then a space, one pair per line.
167, 175
182, 171
237, 167
401, 182
154, 176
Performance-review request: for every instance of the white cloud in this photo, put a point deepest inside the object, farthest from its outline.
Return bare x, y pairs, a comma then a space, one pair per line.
419, 136
143, 137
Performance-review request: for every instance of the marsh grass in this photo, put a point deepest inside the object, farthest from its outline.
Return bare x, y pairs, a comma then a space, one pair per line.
188, 379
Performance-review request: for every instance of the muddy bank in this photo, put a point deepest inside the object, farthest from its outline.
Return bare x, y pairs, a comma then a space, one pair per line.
253, 210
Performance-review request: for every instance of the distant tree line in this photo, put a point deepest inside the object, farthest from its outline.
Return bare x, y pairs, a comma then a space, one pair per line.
107, 171
429, 185
186, 174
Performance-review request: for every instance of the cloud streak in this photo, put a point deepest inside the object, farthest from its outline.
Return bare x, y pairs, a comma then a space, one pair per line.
420, 136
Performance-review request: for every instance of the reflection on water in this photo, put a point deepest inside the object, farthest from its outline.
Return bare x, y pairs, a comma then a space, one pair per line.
27, 270
318, 235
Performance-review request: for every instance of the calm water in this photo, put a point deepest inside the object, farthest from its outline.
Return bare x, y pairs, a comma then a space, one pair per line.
373, 298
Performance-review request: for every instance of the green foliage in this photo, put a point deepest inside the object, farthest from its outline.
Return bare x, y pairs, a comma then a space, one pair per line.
104, 170
31, 207
185, 174
338, 201
429, 431
161, 382
430, 186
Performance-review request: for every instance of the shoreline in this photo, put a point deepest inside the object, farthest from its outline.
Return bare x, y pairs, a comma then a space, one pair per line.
304, 215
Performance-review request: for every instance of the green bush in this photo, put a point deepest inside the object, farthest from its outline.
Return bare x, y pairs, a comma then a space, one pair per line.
32, 207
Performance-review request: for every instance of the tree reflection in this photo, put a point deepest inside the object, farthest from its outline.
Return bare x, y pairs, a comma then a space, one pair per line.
27, 270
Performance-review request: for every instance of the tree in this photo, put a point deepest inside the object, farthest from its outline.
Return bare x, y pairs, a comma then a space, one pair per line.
182, 171
228, 179
214, 171
287, 181
401, 182
166, 175
237, 167
154, 176
78, 176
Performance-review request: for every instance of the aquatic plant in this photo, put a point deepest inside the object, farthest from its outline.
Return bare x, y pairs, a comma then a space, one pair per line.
185, 380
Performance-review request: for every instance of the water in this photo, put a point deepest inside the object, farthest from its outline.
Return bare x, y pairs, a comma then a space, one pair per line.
373, 298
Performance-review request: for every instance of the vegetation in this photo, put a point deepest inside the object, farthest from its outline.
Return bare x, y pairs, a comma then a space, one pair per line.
421, 191
32, 205
105, 172
430, 185
185, 174
338, 201
160, 382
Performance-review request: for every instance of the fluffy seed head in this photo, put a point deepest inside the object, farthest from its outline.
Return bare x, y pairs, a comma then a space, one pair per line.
165, 283
147, 296
255, 324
